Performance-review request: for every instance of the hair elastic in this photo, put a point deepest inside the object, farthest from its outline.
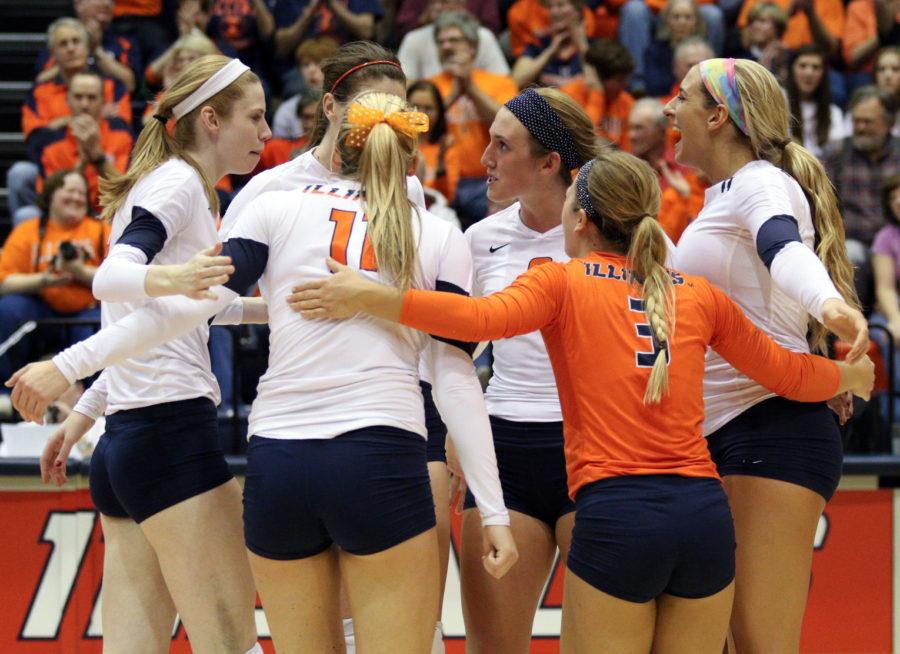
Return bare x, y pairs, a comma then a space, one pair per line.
218, 81
360, 66
161, 118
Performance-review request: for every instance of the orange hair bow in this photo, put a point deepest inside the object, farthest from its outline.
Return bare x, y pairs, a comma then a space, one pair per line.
363, 119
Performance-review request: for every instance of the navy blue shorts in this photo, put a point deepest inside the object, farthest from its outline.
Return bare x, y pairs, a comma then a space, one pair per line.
796, 442
640, 536
366, 491
532, 466
156, 456
437, 431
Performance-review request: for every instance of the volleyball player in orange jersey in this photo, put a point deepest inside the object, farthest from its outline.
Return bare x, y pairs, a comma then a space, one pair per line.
651, 565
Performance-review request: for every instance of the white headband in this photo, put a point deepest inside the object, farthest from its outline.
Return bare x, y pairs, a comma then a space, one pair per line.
222, 78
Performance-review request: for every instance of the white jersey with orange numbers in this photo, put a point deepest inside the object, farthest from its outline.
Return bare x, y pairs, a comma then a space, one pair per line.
522, 387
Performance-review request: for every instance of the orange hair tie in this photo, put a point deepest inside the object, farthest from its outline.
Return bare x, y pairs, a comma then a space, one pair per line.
363, 119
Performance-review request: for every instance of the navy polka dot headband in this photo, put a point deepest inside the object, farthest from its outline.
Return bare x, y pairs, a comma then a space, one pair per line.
545, 125
584, 196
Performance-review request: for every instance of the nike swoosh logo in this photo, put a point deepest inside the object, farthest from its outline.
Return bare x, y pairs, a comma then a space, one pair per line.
494, 249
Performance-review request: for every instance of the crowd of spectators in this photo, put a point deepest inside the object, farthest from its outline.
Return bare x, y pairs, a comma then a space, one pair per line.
622, 60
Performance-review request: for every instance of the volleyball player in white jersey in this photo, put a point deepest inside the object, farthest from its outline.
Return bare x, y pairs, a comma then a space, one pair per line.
536, 140
337, 448
359, 66
769, 212
158, 475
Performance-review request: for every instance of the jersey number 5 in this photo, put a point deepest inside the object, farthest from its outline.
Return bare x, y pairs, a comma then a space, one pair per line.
645, 359
340, 240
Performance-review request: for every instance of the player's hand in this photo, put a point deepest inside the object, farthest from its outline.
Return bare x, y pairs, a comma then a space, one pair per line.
34, 387
500, 553
335, 296
457, 478
842, 405
56, 451
857, 377
849, 325
193, 278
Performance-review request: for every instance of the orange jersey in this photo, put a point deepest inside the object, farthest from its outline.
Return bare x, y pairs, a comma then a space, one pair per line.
464, 123
20, 255
61, 151
446, 183
610, 119
529, 22
598, 339
47, 101
830, 12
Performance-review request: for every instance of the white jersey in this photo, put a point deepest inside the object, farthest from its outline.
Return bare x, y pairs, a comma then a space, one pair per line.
173, 195
522, 387
742, 243
294, 175
326, 378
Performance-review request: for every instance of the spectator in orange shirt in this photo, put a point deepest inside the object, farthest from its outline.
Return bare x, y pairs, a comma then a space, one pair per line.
46, 107
41, 277
639, 19
529, 22
647, 136
556, 59
601, 92
95, 145
438, 163
868, 24
472, 98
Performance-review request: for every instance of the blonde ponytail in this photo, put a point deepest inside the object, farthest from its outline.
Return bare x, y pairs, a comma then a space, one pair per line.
156, 145
627, 189
647, 255
381, 165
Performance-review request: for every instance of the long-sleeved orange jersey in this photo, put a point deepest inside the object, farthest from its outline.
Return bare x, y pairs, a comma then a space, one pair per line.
598, 339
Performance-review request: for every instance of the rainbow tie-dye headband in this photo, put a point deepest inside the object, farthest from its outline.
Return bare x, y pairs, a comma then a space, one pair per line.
718, 78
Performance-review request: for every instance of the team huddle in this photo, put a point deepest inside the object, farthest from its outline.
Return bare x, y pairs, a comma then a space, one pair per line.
655, 412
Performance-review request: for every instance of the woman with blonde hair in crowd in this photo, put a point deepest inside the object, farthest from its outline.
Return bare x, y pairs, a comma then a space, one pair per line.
337, 432
771, 236
652, 560
158, 475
